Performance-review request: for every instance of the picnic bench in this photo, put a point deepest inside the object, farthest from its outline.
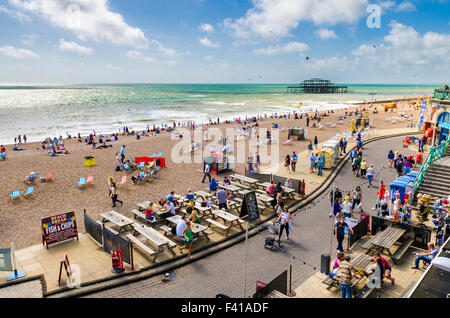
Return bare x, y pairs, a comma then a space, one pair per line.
231, 189
159, 211
197, 229
361, 261
141, 215
226, 217
108, 228
240, 178
276, 294
385, 240
139, 244
124, 223
162, 243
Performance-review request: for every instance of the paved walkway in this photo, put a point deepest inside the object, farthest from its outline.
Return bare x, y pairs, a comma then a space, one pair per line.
223, 272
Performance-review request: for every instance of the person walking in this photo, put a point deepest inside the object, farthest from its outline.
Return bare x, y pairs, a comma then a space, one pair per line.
345, 145
307, 121
391, 157
187, 239
312, 161
294, 161
20, 140
206, 173
114, 195
346, 272
363, 166
310, 147
287, 163
316, 142
357, 197
341, 146
370, 174
339, 228
122, 152
320, 161
24, 139
284, 218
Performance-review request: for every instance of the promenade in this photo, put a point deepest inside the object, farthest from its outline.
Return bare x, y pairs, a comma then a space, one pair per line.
223, 272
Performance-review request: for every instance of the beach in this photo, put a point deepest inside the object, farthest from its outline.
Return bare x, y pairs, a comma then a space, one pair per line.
20, 221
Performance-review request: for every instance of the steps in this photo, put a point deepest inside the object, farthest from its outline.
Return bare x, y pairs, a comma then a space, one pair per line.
437, 178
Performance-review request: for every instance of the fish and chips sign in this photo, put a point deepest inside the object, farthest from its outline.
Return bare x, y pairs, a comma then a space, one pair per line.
59, 228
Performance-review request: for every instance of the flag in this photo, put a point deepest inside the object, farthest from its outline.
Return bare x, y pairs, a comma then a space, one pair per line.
422, 113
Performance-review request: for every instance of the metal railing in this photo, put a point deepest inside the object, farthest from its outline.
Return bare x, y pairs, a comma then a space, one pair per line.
436, 152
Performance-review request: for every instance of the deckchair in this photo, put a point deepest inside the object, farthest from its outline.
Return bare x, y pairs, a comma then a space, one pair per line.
141, 177
81, 182
150, 178
288, 142
16, 195
49, 177
126, 168
29, 192
123, 181
155, 174
141, 165
132, 163
89, 180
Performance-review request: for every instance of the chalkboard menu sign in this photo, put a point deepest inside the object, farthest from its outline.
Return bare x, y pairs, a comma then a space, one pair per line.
250, 207
59, 228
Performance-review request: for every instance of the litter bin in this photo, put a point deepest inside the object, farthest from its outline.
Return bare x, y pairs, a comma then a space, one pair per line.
89, 161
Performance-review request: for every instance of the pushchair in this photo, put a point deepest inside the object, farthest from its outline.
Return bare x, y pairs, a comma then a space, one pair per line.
269, 242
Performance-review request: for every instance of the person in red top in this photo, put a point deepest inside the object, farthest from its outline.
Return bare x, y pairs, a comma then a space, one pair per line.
380, 194
387, 268
418, 158
2, 149
271, 188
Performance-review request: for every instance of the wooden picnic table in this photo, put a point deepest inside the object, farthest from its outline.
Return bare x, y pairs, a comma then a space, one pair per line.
266, 200
232, 189
385, 239
162, 243
252, 182
197, 229
159, 211
204, 195
362, 261
118, 219
226, 217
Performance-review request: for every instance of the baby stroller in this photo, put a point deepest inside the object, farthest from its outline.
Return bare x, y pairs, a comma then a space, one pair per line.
269, 242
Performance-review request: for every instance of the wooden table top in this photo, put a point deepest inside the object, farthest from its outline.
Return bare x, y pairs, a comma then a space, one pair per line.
388, 237
151, 234
225, 215
116, 218
244, 178
196, 228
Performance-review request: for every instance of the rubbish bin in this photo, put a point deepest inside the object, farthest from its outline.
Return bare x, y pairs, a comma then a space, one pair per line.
89, 161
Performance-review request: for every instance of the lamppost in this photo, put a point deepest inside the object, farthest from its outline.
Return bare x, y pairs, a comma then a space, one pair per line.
372, 93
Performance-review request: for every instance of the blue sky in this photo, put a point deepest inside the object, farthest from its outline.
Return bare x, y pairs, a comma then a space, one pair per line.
226, 41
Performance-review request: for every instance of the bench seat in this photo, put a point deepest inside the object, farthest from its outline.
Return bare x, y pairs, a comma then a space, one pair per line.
220, 225
142, 216
108, 228
140, 244
401, 250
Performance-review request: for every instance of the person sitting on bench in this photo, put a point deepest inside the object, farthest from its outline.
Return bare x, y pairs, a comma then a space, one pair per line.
178, 229
426, 257
150, 212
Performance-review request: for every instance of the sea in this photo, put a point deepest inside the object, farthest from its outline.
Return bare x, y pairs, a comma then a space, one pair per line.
51, 110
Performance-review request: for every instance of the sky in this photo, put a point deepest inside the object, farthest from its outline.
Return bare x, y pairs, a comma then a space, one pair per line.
224, 41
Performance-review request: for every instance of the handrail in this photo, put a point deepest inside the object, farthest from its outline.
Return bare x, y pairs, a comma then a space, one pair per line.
436, 152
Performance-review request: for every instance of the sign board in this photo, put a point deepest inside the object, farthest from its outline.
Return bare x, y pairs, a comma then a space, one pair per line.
5, 259
260, 285
250, 207
59, 228
66, 264
351, 224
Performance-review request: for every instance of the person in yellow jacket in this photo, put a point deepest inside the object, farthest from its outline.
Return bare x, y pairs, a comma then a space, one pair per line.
363, 167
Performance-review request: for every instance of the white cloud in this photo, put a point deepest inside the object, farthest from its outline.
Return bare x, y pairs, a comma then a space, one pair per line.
275, 18
18, 53
405, 49
171, 53
15, 14
86, 19
291, 47
207, 42
74, 47
135, 55
112, 68
28, 39
325, 34
406, 6
205, 27
208, 58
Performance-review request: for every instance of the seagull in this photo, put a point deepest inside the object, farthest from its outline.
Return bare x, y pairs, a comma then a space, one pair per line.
307, 58
374, 46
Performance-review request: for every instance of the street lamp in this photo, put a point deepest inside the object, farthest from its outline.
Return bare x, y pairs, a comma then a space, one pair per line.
372, 93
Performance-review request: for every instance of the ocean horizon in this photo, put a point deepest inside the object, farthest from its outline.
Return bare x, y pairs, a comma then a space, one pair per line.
42, 110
